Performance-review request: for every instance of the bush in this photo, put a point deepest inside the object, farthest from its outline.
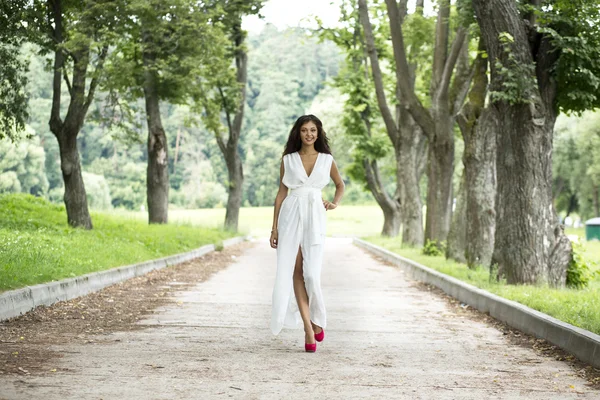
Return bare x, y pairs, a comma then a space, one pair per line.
434, 248
578, 273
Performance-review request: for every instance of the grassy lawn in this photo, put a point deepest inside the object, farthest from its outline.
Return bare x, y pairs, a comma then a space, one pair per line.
257, 221
37, 245
577, 307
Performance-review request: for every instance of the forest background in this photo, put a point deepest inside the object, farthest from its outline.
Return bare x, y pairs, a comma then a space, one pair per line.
291, 72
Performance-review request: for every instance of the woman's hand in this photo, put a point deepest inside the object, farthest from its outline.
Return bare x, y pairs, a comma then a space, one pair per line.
329, 205
274, 238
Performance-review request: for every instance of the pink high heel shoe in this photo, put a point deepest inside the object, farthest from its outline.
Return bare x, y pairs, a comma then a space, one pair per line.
310, 347
320, 336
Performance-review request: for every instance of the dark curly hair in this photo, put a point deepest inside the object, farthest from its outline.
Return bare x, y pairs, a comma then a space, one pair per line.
294, 143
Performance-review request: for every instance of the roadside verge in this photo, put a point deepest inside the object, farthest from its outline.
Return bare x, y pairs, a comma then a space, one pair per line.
583, 344
16, 302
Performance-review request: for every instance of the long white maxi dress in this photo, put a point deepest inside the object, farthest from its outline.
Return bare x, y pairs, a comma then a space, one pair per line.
301, 223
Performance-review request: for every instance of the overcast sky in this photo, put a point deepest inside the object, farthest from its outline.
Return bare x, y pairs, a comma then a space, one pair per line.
292, 13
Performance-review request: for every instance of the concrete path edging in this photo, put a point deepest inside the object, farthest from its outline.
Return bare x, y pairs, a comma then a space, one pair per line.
583, 344
16, 302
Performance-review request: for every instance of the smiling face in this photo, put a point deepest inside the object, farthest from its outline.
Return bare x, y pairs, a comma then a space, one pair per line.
308, 133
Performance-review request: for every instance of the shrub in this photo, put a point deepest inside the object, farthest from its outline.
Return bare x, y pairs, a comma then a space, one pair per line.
578, 273
434, 248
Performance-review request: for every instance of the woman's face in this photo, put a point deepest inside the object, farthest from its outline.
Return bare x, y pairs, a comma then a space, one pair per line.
308, 133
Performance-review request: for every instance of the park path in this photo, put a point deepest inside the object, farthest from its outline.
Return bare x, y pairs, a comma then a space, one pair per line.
387, 339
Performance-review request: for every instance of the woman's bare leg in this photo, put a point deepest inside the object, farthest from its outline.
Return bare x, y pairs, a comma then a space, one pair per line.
302, 299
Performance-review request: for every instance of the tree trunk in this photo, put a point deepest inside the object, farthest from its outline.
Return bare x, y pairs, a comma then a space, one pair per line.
157, 174
407, 177
391, 222
390, 208
235, 188
480, 169
439, 186
478, 128
457, 236
75, 196
530, 245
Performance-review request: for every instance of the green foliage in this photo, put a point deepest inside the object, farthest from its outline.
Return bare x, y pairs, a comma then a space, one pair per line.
573, 27
97, 191
22, 167
578, 272
173, 42
434, 248
37, 245
13, 69
576, 164
518, 80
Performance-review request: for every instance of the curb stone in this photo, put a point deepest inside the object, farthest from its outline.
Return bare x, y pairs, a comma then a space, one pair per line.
583, 344
16, 302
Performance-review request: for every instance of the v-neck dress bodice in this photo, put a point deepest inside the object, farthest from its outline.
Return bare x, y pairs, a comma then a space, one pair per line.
301, 224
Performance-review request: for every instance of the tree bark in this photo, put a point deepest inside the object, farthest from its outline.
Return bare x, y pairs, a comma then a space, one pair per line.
480, 168
478, 128
408, 159
457, 236
67, 130
530, 245
75, 196
157, 173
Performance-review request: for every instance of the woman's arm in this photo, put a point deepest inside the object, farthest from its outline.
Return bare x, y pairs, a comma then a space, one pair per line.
281, 195
339, 187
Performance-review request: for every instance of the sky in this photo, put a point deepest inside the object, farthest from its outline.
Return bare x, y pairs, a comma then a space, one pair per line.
292, 13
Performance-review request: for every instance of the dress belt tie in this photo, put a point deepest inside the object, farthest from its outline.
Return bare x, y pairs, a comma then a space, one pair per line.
313, 219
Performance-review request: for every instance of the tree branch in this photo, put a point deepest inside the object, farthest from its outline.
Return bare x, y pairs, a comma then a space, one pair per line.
440, 52
55, 120
420, 114
241, 63
227, 114
462, 78
388, 118
459, 41
95, 79
66, 77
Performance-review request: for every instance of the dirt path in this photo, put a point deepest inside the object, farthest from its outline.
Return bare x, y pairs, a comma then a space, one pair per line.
387, 338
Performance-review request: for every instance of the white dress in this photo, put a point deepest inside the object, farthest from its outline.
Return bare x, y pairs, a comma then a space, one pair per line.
301, 223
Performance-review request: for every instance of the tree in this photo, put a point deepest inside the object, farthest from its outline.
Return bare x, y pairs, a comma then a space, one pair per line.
13, 100
359, 119
437, 122
165, 47
542, 57
230, 101
77, 33
405, 135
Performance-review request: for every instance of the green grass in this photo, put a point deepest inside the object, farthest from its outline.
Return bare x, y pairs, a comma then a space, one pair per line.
37, 245
577, 307
344, 221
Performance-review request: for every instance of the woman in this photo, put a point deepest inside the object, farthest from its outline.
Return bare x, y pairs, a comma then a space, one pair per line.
299, 229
